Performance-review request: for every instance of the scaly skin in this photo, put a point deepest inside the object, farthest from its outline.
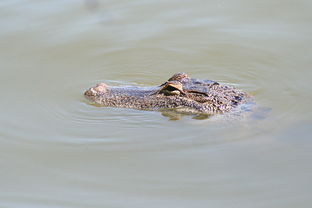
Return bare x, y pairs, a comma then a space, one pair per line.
180, 92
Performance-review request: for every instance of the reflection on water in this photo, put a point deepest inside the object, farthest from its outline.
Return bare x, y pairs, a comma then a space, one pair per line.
173, 115
58, 151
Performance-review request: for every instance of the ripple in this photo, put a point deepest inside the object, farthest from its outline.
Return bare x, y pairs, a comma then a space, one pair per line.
74, 120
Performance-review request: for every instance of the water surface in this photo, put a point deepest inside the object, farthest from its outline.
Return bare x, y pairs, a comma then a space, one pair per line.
57, 150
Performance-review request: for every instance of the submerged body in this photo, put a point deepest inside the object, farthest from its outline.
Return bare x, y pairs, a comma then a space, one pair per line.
180, 92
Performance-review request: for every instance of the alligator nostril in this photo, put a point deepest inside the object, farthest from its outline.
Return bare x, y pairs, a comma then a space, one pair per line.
101, 87
87, 93
90, 93
96, 90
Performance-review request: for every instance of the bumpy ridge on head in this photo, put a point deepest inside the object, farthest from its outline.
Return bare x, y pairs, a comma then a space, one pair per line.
178, 76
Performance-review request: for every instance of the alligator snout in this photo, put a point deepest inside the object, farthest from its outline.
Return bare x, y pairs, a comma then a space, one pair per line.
97, 90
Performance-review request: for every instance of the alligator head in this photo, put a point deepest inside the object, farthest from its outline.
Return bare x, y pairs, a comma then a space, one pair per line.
180, 92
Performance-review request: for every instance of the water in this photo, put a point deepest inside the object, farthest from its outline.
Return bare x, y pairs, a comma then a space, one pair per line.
58, 151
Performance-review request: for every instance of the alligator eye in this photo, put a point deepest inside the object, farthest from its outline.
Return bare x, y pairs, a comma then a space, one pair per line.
171, 88
171, 92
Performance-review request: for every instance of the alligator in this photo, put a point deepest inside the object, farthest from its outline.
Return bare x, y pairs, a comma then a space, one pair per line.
180, 92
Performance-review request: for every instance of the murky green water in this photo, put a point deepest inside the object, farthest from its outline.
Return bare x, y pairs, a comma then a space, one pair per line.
56, 150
